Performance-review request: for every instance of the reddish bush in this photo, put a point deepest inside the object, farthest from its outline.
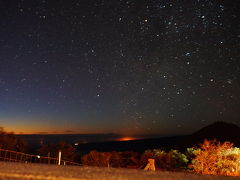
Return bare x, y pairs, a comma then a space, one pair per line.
116, 159
111, 159
94, 158
216, 158
130, 159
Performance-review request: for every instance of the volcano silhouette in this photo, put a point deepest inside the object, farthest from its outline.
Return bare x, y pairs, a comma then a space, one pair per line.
220, 131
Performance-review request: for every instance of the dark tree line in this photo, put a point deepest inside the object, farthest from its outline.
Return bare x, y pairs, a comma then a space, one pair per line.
9, 141
51, 150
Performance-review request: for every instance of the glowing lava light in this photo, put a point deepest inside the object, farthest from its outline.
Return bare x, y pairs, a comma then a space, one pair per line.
126, 139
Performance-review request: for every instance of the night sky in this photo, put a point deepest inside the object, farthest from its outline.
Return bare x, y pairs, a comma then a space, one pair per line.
118, 66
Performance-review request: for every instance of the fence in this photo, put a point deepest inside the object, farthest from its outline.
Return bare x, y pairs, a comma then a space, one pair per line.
13, 156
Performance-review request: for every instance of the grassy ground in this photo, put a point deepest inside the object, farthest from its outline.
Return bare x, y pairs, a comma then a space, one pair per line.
19, 171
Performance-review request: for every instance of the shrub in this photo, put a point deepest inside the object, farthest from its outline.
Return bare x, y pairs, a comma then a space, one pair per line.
230, 162
191, 153
111, 159
116, 160
165, 160
95, 158
181, 159
217, 158
129, 159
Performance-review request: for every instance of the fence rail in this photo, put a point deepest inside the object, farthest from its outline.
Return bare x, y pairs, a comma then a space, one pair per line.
13, 156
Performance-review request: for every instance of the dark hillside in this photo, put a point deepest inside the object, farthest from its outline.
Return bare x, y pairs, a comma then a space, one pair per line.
166, 143
220, 131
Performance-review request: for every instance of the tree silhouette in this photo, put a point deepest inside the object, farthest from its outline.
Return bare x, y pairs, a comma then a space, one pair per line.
9, 141
52, 150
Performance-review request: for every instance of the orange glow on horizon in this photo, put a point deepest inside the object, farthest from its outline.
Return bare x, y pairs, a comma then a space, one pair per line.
126, 139
42, 128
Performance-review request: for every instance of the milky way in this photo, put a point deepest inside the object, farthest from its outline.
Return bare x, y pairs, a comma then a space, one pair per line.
119, 66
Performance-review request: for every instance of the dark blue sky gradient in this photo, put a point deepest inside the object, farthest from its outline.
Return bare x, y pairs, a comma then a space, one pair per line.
116, 66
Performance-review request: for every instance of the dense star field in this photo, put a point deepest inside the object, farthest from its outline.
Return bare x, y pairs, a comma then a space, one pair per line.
118, 66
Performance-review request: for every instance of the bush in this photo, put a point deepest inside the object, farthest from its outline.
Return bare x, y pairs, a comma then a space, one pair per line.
111, 159
129, 159
217, 158
116, 160
95, 158
165, 160
230, 162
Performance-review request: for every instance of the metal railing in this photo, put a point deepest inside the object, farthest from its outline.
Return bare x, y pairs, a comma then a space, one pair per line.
13, 156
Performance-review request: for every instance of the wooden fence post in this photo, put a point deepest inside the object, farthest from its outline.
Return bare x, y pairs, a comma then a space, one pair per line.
59, 157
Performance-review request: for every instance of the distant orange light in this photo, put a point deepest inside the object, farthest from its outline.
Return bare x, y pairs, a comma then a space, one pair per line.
126, 139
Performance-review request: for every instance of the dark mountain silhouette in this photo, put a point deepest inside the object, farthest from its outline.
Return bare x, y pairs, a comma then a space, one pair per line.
165, 143
220, 131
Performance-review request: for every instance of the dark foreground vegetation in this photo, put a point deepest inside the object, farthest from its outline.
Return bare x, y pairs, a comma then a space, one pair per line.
11, 142
210, 157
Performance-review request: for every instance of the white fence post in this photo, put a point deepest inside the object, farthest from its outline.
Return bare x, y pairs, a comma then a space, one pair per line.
59, 157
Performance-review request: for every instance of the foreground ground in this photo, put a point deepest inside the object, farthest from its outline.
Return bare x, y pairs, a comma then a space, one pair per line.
19, 171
